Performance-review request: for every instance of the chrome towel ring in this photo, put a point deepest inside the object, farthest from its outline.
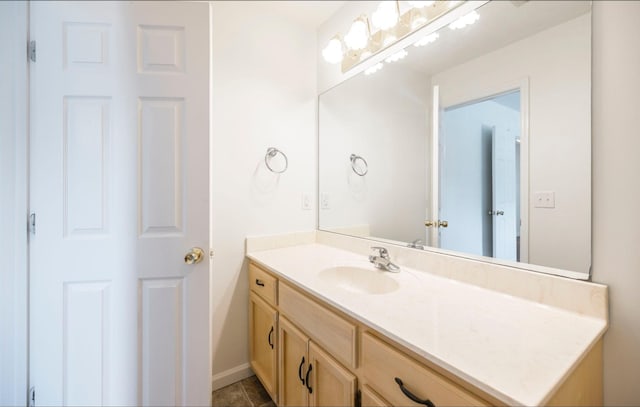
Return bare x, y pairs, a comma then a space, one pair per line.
271, 153
359, 165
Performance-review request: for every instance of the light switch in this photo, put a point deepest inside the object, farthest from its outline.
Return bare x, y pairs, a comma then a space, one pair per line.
306, 202
324, 201
544, 199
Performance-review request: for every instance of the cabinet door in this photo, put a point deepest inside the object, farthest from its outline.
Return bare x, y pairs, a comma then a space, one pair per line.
292, 365
394, 376
329, 384
263, 343
371, 399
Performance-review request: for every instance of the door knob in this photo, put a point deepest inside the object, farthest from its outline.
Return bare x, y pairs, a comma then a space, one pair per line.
194, 256
498, 213
437, 224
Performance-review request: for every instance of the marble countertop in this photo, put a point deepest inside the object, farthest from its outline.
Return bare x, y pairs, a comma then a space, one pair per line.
516, 350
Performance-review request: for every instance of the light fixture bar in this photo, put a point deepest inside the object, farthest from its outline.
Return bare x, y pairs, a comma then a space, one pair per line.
408, 23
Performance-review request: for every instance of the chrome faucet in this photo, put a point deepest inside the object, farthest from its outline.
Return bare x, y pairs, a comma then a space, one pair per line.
416, 244
383, 261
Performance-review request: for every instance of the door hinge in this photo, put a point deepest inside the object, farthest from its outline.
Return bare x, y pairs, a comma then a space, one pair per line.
31, 226
32, 397
31, 51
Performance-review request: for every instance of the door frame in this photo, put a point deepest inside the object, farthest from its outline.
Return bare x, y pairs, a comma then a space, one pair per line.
15, 373
475, 95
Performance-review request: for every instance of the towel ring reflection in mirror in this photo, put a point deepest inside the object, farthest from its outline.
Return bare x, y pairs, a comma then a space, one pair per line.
271, 153
359, 165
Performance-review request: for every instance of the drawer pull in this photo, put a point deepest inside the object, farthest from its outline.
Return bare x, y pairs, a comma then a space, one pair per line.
269, 338
259, 282
307, 379
412, 396
300, 371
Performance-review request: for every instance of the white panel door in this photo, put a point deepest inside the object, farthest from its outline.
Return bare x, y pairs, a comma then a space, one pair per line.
120, 189
504, 193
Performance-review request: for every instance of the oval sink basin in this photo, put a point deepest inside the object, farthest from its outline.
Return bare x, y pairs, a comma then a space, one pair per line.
359, 279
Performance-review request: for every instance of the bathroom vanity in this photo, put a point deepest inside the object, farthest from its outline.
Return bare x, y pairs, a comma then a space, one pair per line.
329, 329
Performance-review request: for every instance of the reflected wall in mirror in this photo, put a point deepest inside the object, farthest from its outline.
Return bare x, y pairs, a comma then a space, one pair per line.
485, 130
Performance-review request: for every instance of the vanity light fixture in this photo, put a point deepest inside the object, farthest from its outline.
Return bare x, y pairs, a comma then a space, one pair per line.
358, 36
386, 15
333, 52
420, 4
389, 38
360, 42
465, 20
397, 56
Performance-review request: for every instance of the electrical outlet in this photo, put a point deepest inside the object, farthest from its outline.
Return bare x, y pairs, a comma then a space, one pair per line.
306, 202
544, 199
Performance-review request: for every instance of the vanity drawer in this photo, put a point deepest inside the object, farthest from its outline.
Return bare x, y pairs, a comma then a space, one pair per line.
382, 364
263, 283
335, 334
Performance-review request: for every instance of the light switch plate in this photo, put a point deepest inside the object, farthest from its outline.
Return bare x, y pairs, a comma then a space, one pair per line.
324, 201
544, 199
306, 202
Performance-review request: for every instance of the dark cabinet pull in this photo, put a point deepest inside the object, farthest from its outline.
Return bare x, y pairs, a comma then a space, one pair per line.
259, 282
300, 371
307, 378
269, 338
412, 396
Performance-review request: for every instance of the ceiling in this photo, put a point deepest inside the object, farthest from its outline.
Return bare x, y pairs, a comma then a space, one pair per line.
307, 12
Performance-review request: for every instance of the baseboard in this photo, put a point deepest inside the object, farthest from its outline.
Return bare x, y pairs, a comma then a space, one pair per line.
231, 376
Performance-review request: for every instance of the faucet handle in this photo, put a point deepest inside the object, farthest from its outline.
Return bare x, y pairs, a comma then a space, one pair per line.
383, 251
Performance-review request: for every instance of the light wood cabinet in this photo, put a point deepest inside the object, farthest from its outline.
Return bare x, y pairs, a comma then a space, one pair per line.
308, 353
263, 284
292, 365
263, 332
332, 384
309, 376
370, 398
404, 382
335, 334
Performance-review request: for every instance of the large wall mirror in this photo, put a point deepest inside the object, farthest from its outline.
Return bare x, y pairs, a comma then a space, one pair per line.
477, 142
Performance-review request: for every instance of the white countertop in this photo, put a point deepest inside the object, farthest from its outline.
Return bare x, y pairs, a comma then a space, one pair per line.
516, 350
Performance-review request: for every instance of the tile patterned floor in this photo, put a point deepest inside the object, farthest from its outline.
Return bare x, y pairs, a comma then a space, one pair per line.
245, 393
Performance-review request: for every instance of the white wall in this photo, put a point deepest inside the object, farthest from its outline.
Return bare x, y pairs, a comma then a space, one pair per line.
616, 191
263, 95
557, 65
13, 204
384, 118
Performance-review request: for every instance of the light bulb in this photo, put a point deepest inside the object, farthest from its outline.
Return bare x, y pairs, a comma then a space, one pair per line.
427, 39
465, 20
358, 35
420, 4
397, 56
333, 51
386, 16
418, 21
373, 69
